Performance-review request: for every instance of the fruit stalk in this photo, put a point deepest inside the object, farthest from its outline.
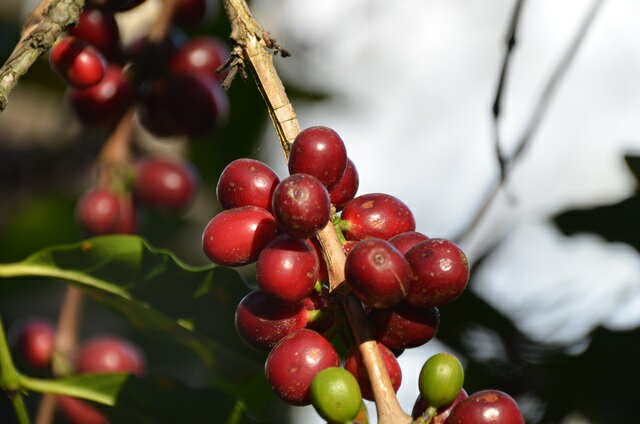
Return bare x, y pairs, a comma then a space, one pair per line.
251, 49
10, 379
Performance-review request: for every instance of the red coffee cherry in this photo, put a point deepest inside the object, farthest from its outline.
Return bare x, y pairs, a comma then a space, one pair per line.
295, 361
246, 182
151, 59
109, 354
205, 54
323, 274
317, 303
404, 326
77, 411
348, 246
155, 109
377, 273
377, 215
346, 188
165, 184
440, 272
236, 236
98, 28
36, 342
319, 151
98, 212
442, 413
115, 5
405, 241
262, 320
105, 102
191, 12
301, 205
354, 364
287, 268
486, 407
77, 63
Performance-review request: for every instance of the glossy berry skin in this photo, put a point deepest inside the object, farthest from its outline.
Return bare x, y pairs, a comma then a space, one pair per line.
295, 361
246, 182
405, 241
377, 215
36, 342
440, 272
353, 363
348, 246
109, 354
404, 325
487, 407
441, 379
262, 320
301, 205
78, 411
335, 395
319, 151
99, 29
346, 188
205, 54
164, 184
442, 413
287, 268
98, 212
77, 63
236, 236
105, 102
377, 273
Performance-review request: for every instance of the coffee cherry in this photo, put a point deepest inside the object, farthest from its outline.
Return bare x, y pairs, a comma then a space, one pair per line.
205, 54
105, 102
115, 5
151, 59
36, 342
287, 268
98, 212
442, 413
246, 182
348, 246
109, 354
335, 395
164, 184
77, 411
98, 28
441, 379
236, 236
301, 205
405, 241
190, 12
346, 188
486, 407
377, 273
319, 151
323, 273
295, 361
440, 272
77, 63
262, 320
318, 304
404, 326
155, 109
354, 364
376, 215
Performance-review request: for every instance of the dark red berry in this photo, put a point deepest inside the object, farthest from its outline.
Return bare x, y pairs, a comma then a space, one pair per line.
287, 268
348, 246
105, 102
377, 215
36, 342
109, 354
377, 273
151, 59
246, 182
301, 205
155, 109
295, 361
165, 184
440, 272
192, 12
236, 236
354, 364
405, 241
442, 413
319, 151
205, 54
346, 188
77, 63
323, 274
115, 5
316, 303
486, 407
262, 320
98, 28
98, 212
404, 326
78, 411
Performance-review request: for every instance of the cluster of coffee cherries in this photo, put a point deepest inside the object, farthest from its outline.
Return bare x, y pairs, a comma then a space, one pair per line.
35, 346
173, 82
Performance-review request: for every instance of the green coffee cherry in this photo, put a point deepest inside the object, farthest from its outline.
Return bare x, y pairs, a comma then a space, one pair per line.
441, 379
335, 395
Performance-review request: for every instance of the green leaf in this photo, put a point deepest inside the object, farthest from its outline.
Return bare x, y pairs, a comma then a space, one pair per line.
102, 388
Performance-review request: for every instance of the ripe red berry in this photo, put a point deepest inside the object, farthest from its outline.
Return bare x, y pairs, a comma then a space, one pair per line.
346, 188
287, 268
151, 59
191, 12
404, 326
319, 151
36, 342
98, 212
486, 407
354, 364
236, 236
301, 205
262, 320
405, 241
155, 109
377, 273
164, 184
77, 63
323, 273
440, 272
98, 28
109, 354
105, 102
348, 246
115, 5
421, 405
295, 361
377, 215
205, 54
246, 182
77, 411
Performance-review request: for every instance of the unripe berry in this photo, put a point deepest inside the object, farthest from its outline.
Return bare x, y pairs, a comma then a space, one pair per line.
354, 364
404, 325
36, 342
246, 182
164, 184
346, 188
77, 63
98, 28
376, 215
335, 395
441, 379
487, 407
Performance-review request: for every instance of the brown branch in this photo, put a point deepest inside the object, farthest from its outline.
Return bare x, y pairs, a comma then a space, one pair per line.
254, 43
